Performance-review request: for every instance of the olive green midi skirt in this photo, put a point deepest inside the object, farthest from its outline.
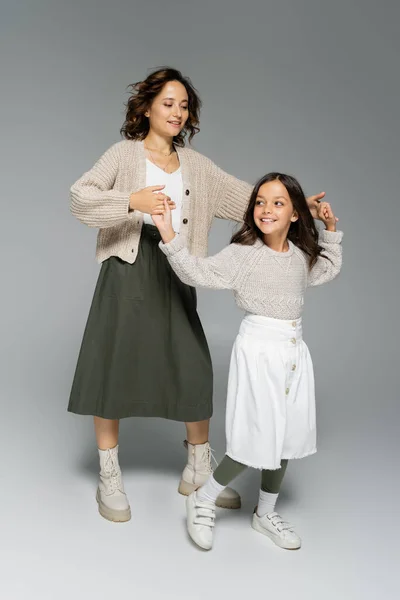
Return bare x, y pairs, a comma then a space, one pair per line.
144, 352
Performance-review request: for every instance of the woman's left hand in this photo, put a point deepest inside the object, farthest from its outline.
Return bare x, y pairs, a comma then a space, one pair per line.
163, 222
313, 204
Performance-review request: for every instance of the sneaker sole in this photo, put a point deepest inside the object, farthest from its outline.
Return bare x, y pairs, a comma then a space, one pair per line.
116, 516
186, 489
255, 525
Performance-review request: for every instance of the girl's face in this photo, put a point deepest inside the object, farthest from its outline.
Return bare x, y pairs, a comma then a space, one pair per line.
169, 110
273, 210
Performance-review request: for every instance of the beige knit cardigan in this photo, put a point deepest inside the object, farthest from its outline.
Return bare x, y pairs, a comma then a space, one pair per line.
100, 198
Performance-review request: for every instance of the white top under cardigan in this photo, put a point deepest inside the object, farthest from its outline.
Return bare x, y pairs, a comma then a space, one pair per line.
173, 188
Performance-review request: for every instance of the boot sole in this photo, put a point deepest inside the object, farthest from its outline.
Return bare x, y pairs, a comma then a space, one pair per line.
116, 516
274, 539
186, 489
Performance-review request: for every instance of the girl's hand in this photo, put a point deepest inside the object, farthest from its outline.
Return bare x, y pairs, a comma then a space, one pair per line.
163, 222
150, 200
325, 214
313, 204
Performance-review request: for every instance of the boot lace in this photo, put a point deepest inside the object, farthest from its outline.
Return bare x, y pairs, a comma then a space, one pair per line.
112, 469
207, 457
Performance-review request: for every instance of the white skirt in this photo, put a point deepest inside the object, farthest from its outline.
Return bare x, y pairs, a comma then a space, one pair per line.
270, 413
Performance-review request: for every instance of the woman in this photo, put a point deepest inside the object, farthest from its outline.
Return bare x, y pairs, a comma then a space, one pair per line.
143, 320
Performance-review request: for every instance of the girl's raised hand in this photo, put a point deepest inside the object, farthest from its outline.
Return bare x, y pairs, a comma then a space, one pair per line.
313, 204
163, 222
325, 214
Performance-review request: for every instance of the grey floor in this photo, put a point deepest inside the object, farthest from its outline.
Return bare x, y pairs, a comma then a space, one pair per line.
56, 546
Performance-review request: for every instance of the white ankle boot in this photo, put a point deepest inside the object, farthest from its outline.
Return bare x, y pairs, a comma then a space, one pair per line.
111, 497
198, 470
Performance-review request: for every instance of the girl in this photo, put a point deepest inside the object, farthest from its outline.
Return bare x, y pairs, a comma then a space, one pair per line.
142, 315
270, 414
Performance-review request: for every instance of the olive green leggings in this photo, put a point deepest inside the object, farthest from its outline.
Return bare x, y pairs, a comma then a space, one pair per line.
228, 469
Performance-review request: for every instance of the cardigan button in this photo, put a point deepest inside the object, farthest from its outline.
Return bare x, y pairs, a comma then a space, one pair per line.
187, 192
184, 221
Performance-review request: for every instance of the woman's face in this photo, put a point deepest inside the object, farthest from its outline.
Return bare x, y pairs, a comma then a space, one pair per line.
169, 110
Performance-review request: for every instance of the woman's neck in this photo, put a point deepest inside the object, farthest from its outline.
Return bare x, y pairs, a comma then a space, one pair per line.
158, 143
278, 243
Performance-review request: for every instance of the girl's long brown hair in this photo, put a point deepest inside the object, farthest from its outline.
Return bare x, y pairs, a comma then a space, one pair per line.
303, 232
136, 125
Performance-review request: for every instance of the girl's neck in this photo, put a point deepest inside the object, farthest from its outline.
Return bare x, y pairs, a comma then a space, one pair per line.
158, 143
276, 242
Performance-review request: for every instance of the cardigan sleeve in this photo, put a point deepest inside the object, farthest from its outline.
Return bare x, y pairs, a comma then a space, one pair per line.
217, 272
231, 195
329, 264
93, 199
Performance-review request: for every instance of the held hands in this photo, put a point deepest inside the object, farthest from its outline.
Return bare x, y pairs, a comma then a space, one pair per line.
163, 221
147, 201
314, 202
325, 214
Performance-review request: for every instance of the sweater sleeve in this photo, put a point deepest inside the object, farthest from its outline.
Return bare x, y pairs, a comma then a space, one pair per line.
217, 272
231, 195
93, 199
327, 266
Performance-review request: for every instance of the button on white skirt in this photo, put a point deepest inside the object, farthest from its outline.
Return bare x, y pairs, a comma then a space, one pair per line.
270, 413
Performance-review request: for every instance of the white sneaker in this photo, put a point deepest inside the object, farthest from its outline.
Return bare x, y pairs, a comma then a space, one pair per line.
280, 532
198, 470
111, 497
200, 521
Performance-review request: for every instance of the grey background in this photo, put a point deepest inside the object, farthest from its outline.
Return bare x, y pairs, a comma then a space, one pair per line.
307, 87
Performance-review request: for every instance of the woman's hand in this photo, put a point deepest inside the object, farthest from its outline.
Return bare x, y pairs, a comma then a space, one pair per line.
313, 204
150, 200
325, 214
163, 222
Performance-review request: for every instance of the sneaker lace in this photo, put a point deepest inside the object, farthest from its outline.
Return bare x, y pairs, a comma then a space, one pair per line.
278, 523
112, 468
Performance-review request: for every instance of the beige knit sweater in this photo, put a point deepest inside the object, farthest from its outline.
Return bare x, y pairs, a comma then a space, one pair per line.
264, 282
100, 198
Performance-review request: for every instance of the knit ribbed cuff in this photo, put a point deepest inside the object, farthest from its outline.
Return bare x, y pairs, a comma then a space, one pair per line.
235, 205
174, 246
330, 237
116, 209
106, 210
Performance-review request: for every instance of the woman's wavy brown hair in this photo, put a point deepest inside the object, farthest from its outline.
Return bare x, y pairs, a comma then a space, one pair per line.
303, 232
136, 125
